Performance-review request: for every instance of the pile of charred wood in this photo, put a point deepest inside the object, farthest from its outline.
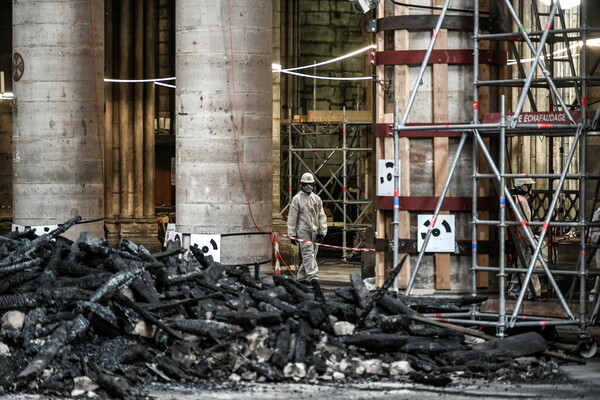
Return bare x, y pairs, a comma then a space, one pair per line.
79, 316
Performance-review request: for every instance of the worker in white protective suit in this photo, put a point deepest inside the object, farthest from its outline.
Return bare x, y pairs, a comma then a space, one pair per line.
595, 239
307, 221
521, 245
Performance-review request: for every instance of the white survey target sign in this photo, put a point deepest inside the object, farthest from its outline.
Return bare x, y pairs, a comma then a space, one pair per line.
442, 239
210, 245
385, 178
39, 229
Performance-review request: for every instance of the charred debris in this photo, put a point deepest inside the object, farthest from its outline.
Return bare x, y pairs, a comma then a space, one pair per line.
79, 317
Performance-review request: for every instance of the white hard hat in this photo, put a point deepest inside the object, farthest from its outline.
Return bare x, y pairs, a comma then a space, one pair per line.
307, 177
523, 181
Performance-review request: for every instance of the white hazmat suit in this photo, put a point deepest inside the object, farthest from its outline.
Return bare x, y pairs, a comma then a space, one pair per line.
306, 219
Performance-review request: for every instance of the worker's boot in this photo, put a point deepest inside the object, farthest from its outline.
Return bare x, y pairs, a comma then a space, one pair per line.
318, 292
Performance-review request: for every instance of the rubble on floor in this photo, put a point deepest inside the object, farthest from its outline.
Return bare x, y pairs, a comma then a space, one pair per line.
79, 317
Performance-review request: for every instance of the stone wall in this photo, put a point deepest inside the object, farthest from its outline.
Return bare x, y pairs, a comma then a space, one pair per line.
329, 29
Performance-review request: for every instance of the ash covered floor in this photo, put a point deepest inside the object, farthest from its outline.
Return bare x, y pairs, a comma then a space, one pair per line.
81, 319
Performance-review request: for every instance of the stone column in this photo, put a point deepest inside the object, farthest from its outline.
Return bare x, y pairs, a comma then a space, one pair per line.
224, 110
57, 116
5, 117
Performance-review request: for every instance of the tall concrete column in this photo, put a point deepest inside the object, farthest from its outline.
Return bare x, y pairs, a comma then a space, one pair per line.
57, 122
5, 117
211, 192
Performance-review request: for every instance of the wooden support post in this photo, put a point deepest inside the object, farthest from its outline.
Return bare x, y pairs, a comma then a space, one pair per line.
380, 220
440, 146
483, 232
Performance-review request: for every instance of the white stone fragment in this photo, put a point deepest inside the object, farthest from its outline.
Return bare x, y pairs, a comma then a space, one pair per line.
373, 367
400, 368
4, 350
144, 329
296, 371
338, 376
83, 385
343, 328
13, 321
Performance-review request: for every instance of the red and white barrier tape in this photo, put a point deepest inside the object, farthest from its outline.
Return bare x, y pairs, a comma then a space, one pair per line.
277, 255
324, 245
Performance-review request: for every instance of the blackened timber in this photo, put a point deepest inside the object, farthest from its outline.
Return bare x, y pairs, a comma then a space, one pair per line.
378, 341
517, 345
264, 369
115, 283
380, 292
250, 319
15, 280
147, 316
20, 254
360, 290
206, 328
62, 336
169, 253
301, 339
394, 305
20, 266
17, 301
296, 289
280, 355
173, 304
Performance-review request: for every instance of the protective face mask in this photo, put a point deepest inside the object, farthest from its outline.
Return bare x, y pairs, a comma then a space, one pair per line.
307, 188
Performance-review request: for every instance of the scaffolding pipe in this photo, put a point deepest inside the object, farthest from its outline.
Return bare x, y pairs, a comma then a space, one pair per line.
345, 185
543, 233
290, 158
528, 235
536, 60
545, 71
396, 223
565, 272
438, 207
582, 181
474, 157
502, 261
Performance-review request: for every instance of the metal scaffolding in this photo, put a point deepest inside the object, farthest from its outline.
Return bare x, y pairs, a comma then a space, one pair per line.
338, 154
537, 73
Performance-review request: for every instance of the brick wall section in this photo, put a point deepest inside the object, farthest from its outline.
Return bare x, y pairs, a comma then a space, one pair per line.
329, 29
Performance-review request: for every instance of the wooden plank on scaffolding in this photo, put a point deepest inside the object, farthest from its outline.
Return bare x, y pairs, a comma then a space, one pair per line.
532, 308
338, 116
483, 93
401, 88
440, 146
380, 223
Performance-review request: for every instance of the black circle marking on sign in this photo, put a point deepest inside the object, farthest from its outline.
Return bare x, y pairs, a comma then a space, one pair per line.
18, 66
435, 231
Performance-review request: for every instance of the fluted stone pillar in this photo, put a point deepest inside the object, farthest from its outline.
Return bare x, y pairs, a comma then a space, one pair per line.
57, 117
223, 118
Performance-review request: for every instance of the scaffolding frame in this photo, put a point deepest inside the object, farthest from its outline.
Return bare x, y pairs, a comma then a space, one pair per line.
578, 131
353, 204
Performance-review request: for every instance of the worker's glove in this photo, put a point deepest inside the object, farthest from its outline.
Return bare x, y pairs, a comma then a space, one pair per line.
294, 242
319, 239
